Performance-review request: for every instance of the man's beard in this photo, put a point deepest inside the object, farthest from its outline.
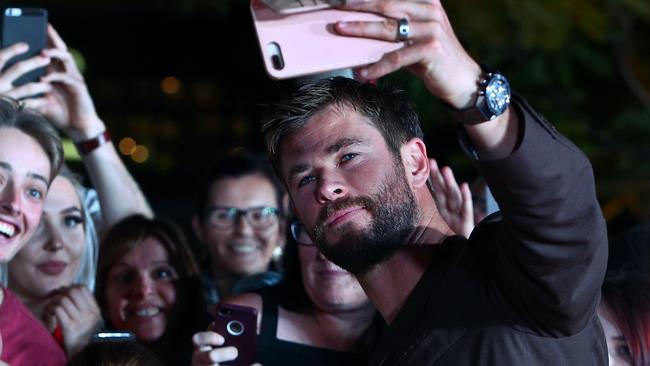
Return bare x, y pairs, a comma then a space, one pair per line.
393, 213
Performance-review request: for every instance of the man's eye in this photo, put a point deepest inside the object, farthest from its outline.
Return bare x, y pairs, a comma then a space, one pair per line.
348, 157
35, 193
306, 180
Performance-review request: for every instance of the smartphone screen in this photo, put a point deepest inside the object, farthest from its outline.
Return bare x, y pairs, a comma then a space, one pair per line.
27, 25
238, 325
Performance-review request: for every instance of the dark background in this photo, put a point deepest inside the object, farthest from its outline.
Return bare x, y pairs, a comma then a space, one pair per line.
584, 64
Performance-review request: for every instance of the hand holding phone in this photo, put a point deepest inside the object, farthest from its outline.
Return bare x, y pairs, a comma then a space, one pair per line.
305, 43
238, 326
25, 25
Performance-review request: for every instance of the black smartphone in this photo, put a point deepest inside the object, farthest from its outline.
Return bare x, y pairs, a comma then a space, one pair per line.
108, 336
238, 325
27, 25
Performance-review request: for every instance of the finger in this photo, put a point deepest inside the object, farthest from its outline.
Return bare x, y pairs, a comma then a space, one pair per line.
55, 38
437, 181
66, 58
35, 103
63, 316
394, 60
454, 198
385, 30
413, 10
29, 89
213, 339
214, 356
64, 78
468, 207
10, 52
21, 68
69, 305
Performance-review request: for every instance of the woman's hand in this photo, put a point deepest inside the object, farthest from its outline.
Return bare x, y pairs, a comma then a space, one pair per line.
454, 202
75, 310
68, 104
208, 351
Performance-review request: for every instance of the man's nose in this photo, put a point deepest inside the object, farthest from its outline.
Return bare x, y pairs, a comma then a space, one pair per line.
330, 188
10, 201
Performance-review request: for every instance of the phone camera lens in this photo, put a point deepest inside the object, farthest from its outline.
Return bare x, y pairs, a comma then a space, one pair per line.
235, 327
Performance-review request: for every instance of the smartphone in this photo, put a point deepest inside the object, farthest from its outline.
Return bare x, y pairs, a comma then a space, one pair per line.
112, 336
298, 6
27, 25
306, 43
238, 325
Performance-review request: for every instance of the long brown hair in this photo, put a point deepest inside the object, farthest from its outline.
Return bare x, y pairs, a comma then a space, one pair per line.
189, 311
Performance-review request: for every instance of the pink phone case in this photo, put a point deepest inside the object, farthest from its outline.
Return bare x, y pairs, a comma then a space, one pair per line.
306, 43
238, 325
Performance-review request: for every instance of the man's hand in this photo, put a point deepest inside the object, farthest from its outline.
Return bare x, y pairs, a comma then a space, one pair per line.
454, 202
432, 51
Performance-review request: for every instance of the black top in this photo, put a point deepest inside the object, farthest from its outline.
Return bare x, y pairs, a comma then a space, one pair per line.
523, 290
271, 351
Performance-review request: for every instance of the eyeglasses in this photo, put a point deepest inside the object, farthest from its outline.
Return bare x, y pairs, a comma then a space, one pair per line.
223, 217
299, 234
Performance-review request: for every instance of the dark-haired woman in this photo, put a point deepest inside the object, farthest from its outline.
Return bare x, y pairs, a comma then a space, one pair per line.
148, 283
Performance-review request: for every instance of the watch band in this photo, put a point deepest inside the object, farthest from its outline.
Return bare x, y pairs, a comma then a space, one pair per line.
86, 146
480, 110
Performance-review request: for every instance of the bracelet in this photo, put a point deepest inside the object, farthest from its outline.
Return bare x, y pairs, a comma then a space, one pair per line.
87, 146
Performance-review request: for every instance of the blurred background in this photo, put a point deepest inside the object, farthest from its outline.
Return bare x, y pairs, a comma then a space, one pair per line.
181, 82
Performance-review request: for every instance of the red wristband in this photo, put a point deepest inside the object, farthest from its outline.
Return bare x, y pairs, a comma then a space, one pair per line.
86, 146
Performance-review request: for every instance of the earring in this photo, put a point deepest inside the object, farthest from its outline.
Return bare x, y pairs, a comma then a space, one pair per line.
277, 253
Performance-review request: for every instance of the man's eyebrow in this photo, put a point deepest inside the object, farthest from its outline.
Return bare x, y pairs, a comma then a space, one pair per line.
297, 170
39, 177
341, 143
336, 146
6, 166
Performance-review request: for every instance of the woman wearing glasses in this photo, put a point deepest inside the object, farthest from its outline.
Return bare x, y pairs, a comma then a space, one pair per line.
240, 223
319, 315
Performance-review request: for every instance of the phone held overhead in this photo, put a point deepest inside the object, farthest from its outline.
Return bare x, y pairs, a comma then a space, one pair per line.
28, 25
297, 38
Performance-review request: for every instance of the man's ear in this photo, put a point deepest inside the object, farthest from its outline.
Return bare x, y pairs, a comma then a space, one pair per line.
416, 162
196, 227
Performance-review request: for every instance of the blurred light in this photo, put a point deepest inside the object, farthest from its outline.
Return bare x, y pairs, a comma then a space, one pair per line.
140, 154
127, 146
170, 85
79, 59
70, 151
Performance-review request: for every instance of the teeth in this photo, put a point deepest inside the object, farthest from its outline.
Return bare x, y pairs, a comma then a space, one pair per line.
147, 312
243, 249
6, 229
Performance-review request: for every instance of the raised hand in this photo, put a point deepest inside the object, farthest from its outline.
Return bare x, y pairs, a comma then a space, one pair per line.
432, 50
454, 202
75, 310
20, 68
68, 104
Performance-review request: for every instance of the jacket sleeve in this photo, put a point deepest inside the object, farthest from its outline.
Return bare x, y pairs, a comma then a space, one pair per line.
548, 254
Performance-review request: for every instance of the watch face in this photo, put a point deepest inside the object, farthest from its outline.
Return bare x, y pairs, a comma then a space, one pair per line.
497, 94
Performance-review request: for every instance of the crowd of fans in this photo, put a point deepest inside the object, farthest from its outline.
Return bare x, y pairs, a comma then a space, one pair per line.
90, 275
